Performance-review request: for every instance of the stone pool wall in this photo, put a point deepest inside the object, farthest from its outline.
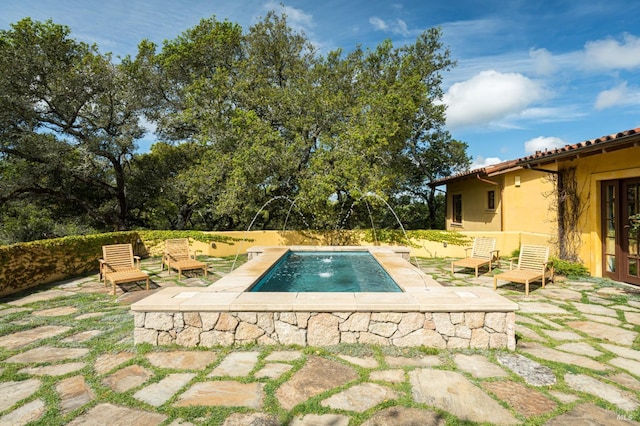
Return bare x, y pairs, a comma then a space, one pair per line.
440, 330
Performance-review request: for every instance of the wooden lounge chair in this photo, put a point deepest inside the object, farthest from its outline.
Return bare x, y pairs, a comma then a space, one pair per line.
532, 266
177, 256
119, 265
483, 253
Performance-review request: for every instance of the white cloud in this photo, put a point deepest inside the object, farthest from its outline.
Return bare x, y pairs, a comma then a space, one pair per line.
480, 162
611, 97
378, 23
542, 143
490, 96
620, 95
613, 54
296, 18
543, 61
397, 26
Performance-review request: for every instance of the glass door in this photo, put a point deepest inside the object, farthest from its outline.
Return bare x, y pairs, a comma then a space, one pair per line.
629, 246
620, 247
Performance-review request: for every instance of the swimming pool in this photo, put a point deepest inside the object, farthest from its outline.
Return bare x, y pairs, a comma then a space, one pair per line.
321, 271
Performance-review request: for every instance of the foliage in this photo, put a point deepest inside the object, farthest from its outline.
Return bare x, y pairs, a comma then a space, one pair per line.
245, 117
634, 224
410, 238
569, 269
67, 127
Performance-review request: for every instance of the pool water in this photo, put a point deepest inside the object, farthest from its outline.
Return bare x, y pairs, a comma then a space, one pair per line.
302, 271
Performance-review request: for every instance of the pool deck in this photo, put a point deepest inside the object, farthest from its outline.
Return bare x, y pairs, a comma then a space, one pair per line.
421, 294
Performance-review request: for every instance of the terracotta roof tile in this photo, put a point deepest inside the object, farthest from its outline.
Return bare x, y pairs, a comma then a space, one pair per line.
602, 142
617, 140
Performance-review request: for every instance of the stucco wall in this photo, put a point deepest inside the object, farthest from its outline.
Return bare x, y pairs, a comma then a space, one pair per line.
520, 207
590, 173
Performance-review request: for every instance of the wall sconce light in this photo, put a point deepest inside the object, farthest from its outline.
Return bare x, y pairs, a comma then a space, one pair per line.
517, 181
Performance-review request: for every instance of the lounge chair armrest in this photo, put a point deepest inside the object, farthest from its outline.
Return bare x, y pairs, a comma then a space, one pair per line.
466, 251
511, 260
137, 261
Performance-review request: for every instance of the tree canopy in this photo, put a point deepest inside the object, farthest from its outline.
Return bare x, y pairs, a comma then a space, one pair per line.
244, 118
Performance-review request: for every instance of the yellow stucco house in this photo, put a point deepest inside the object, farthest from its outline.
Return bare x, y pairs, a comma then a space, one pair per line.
577, 199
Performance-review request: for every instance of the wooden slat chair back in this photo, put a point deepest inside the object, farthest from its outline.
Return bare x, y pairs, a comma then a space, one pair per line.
177, 256
177, 248
533, 265
119, 265
483, 252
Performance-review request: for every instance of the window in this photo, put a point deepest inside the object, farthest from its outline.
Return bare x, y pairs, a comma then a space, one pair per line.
491, 200
456, 202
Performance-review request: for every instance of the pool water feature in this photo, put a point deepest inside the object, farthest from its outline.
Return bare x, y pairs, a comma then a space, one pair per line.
424, 313
318, 271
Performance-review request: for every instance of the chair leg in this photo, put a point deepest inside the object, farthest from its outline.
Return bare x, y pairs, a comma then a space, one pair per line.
451, 267
476, 272
147, 283
495, 283
526, 287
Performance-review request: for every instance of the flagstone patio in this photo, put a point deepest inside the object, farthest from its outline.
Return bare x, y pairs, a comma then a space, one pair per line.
67, 357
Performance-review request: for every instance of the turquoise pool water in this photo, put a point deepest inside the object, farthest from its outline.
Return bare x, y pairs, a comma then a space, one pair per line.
313, 271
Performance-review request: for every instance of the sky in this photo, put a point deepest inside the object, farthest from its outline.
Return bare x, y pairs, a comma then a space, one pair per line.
530, 74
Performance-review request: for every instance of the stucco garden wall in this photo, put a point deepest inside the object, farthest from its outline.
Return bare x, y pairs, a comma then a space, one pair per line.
29, 265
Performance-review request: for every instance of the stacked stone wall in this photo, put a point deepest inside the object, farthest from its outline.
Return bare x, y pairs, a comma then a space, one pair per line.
441, 330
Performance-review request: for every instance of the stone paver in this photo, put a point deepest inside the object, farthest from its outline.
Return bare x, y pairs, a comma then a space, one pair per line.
534, 373
630, 365
583, 383
114, 415
320, 420
478, 366
595, 309
540, 308
158, 393
437, 388
182, 360
580, 349
425, 361
526, 401
30, 412
283, 356
249, 419
41, 297
273, 370
24, 338
312, 379
364, 362
605, 332
236, 364
13, 392
544, 352
82, 336
360, 397
55, 312
589, 414
622, 351
391, 376
107, 362
229, 383
53, 370
47, 354
394, 416
127, 378
223, 394
74, 393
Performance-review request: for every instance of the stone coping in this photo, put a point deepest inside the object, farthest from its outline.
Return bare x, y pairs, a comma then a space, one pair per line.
420, 292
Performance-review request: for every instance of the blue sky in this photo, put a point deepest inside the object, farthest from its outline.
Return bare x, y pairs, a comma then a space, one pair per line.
530, 74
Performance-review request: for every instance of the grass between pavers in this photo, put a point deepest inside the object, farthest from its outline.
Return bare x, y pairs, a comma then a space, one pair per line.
117, 327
